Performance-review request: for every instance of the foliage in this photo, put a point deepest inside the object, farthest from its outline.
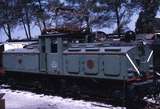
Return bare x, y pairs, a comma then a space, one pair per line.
8, 16
90, 13
146, 20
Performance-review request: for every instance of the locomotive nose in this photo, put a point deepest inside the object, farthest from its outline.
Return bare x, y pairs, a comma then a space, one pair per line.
156, 54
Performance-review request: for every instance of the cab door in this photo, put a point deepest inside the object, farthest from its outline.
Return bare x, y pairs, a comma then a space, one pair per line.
52, 58
42, 55
51, 54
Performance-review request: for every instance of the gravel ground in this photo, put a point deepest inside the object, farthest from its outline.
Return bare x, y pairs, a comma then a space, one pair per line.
26, 100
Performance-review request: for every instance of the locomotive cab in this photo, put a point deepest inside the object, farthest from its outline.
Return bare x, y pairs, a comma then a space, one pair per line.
51, 50
50, 47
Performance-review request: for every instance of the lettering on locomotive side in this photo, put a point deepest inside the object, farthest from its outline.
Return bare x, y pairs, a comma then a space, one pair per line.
54, 65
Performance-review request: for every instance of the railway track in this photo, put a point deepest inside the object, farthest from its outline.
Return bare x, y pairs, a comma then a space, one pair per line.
152, 106
152, 103
39, 88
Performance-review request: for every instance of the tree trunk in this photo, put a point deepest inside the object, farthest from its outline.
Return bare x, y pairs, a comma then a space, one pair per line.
44, 24
43, 21
25, 29
7, 31
117, 16
28, 24
29, 31
39, 25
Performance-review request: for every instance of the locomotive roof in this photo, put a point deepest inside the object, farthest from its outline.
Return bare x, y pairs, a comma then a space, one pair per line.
22, 50
21, 47
99, 50
63, 35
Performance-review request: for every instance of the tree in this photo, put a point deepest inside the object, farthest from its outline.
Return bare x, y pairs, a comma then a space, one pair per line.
90, 13
26, 16
145, 22
40, 13
106, 13
43, 12
8, 18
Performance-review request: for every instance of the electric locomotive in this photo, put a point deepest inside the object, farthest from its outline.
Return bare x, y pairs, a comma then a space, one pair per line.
78, 63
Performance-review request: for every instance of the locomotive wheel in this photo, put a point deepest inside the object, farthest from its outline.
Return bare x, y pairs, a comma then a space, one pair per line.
76, 91
11, 82
37, 85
